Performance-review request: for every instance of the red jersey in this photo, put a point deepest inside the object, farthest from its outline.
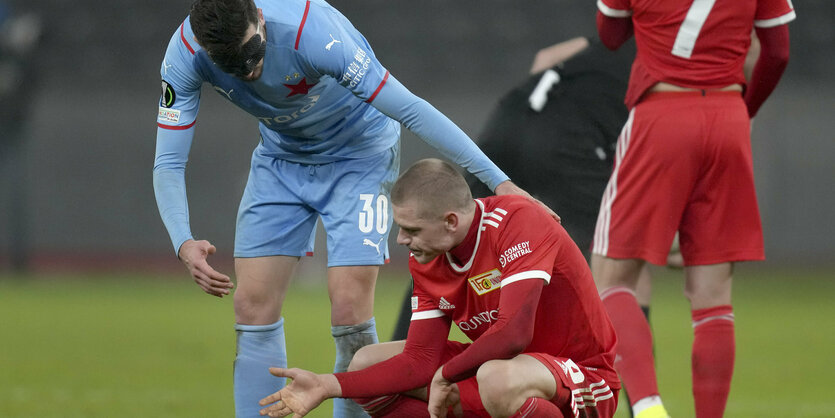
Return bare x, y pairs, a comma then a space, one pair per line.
515, 240
693, 43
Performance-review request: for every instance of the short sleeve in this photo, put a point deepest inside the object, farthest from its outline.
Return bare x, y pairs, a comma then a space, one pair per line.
527, 244
615, 8
180, 84
335, 48
424, 306
771, 13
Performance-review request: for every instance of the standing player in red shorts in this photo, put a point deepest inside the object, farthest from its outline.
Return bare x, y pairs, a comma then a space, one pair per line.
514, 282
684, 163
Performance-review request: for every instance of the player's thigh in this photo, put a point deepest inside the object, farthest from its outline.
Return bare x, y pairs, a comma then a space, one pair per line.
351, 292
375, 353
272, 217
612, 272
355, 208
519, 378
262, 284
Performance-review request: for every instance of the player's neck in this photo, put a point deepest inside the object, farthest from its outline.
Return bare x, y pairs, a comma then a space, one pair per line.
462, 252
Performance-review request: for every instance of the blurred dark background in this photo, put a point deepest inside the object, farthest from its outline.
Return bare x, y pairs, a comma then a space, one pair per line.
76, 157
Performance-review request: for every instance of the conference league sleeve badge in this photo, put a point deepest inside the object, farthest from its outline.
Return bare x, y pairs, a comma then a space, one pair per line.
168, 95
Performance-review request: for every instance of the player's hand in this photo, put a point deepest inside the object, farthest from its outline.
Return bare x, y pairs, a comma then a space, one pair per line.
305, 392
507, 187
193, 254
442, 395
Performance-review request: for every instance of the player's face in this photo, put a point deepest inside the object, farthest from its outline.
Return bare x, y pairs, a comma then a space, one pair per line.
425, 238
255, 48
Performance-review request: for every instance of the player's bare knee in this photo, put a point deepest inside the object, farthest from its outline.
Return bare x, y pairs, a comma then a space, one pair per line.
495, 386
255, 308
364, 357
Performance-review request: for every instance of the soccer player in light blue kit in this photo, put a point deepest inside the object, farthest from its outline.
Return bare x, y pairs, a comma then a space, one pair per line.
329, 116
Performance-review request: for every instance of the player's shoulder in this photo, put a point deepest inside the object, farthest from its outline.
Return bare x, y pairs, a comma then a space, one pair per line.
183, 42
508, 205
509, 215
302, 19
179, 64
310, 30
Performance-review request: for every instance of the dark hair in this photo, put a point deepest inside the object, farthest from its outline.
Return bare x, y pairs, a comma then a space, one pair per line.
220, 26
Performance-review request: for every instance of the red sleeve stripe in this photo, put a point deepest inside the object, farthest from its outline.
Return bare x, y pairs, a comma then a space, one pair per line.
301, 26
176, 128
183, 38
382, 83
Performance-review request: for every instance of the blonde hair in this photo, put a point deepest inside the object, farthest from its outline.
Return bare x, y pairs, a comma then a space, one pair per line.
435, 186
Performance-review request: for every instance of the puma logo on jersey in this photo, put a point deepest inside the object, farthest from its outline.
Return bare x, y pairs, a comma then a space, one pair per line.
444, 304
166, 66
333, 41
228, 94
370, 243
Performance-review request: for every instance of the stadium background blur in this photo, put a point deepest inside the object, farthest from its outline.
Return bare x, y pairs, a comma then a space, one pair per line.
88, 149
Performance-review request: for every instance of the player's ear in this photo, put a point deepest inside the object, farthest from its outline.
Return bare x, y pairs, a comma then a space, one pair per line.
451, 221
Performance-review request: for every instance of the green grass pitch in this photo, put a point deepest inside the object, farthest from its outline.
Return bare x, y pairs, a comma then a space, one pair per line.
136, 346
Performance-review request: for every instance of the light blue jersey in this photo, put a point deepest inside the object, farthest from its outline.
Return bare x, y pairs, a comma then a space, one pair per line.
323, 97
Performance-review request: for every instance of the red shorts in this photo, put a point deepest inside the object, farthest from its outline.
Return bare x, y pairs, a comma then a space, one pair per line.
581, 392
683, 164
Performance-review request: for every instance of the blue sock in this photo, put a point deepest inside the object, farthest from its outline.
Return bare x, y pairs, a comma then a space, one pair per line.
349, 339
259, 348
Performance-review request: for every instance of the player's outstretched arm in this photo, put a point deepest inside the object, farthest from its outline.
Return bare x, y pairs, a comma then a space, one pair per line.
306, 391
508, 187
193, 254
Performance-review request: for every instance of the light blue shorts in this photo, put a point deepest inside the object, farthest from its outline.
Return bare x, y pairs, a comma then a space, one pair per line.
283, 200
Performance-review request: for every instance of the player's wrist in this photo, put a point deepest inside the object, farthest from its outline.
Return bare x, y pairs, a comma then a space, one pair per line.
505, 187
333, 389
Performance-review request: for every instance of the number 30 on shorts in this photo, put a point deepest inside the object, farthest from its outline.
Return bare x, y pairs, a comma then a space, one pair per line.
374, 213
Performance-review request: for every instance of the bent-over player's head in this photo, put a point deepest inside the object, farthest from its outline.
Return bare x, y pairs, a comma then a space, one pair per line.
232, 33
433, 206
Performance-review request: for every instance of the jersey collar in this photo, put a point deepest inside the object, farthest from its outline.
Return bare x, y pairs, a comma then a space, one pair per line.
470, 241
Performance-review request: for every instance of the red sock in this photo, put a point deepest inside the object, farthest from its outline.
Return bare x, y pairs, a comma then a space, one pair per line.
714, 349
634, 361
394, 406
538, 408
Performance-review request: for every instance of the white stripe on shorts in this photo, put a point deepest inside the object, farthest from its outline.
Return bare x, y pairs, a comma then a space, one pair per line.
604, 218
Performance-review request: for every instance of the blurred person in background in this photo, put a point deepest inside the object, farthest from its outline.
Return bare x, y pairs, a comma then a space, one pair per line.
684, 165
329, 116
20, 35
514, 282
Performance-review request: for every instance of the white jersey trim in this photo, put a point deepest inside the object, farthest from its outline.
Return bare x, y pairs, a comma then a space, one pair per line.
533, 274
610, 12
435, 313
777, 21
466, 267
